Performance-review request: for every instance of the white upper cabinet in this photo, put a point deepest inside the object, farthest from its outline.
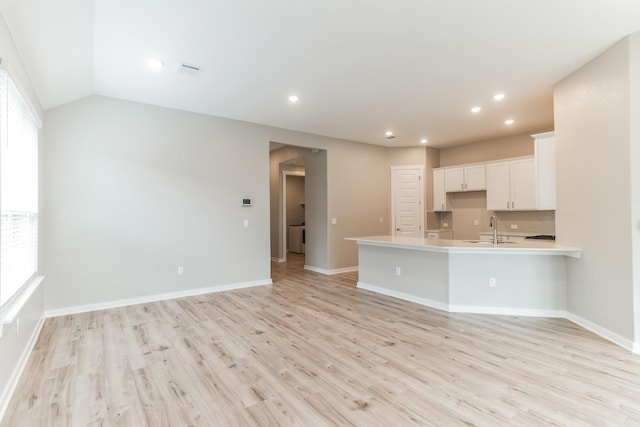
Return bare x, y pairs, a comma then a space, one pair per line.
517, 184
475, 178
545, 155
465, 178
498, 188
511, 185
454, 179
439, 194
523, 185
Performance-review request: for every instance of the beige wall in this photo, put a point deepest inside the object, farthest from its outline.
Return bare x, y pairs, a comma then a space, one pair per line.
406, 156
594, 127
484, 151
359, 192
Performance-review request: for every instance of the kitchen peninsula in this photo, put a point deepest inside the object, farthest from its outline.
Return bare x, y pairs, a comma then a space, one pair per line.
517, 278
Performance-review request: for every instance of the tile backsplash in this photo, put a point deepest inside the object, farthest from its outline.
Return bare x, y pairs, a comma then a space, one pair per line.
469, 217
536, 222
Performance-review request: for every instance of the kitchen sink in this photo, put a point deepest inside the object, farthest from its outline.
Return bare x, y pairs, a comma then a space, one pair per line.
487, 242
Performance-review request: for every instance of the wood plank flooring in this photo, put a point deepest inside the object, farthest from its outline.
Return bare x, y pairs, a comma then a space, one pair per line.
313, 350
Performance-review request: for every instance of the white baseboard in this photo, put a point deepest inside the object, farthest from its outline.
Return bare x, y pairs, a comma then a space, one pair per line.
153, 298
604, 333
330, 272
508, 311
276, 259
11, 385
634, 347
403, 296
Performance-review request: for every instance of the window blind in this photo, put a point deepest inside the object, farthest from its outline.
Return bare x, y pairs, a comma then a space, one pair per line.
18, 191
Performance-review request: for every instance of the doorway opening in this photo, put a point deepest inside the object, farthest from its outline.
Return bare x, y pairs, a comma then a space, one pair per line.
298, 200
293, 212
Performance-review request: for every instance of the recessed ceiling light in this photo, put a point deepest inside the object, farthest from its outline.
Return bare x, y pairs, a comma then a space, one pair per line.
155, 64
423, 141
509, 122
294, 98
498, 96
388, 133
476, 109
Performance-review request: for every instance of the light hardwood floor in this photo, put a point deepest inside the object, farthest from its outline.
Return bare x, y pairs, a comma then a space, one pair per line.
313, 350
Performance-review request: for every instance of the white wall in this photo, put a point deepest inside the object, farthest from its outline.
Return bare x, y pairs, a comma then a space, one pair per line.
16, 342
594, 212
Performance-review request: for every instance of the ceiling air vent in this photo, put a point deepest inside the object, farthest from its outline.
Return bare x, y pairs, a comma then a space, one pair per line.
192, 70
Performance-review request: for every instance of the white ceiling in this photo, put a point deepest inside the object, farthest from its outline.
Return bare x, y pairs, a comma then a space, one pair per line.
360, 67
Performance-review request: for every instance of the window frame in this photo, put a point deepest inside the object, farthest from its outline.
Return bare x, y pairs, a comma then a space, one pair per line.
10, 309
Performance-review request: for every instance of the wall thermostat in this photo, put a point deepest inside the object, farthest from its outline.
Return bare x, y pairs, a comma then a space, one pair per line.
247, 201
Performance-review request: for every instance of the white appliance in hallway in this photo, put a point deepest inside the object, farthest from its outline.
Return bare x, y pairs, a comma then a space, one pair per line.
296, 239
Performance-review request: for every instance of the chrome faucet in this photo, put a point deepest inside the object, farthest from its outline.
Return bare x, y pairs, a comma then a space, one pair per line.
493, 222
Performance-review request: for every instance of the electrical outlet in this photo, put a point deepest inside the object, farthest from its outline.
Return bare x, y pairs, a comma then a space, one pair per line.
180, 271
476, 222
492, 282
246, 223
514, 226
334, 221
380, 220
445, 224
398, 271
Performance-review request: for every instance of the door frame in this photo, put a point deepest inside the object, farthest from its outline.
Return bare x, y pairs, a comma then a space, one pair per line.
420, 169
283, 209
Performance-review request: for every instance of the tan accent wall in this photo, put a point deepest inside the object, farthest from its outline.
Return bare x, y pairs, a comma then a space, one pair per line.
484, 151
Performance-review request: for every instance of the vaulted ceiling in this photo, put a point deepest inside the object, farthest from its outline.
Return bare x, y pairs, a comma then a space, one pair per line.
360, 68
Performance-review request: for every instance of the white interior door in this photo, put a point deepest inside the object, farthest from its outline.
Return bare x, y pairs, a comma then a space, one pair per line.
407, 192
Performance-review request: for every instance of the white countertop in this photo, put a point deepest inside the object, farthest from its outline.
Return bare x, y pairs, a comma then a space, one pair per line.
530, 247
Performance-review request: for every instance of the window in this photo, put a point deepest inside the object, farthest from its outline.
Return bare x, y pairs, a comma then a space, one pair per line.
18, 191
